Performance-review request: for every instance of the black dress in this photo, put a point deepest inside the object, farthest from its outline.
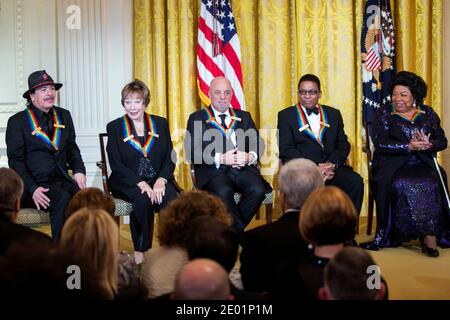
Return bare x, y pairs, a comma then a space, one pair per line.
410, 197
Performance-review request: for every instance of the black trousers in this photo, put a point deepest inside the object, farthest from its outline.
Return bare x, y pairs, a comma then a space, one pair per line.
249, 183
351, 183
141, 218
60, 193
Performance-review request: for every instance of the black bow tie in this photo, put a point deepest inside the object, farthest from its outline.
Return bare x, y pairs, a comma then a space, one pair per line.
313, 110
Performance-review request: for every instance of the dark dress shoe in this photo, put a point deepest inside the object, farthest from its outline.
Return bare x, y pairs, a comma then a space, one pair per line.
370, 246
430, 251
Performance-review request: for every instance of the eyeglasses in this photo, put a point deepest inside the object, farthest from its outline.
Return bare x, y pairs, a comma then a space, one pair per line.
308, 92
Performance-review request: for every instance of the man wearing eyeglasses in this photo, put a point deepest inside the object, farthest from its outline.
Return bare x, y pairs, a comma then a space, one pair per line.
316, 132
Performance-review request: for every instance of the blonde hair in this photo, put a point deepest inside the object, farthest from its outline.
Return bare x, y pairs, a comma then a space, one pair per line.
328, 216
91, 235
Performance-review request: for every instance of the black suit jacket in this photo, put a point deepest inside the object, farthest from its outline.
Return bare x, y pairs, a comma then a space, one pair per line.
199, 148
265, 247
295, 144
33, 159
124, 159
10, 232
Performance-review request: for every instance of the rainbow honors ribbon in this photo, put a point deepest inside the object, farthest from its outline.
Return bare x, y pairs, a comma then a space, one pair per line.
226, 132
37, 131
129, 138
304, 125
417, 114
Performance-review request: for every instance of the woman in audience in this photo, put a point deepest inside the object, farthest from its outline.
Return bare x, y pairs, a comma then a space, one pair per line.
142, 161
128, 276
162, 264
91, 198
91, 236
327, 221
409, 191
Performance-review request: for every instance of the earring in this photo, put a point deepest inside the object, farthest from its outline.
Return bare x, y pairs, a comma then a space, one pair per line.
414, 103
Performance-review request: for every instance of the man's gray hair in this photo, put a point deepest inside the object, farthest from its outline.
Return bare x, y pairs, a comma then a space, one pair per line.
298, 178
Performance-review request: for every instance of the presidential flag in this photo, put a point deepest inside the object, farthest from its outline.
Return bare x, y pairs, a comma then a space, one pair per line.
378, 56
219, 50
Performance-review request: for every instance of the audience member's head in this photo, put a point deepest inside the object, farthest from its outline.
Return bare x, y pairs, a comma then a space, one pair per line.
347, 277
210, 238
11, 188
202, 279
328, 217
298, 178
177, 216
91, 198
91, 235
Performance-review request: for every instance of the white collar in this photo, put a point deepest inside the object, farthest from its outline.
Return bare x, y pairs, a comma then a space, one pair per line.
217, 113
304, 110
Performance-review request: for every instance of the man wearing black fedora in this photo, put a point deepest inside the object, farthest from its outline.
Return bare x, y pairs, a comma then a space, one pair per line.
41, 148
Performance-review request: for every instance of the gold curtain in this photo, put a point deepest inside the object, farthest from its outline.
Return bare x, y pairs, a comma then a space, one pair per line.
280, 41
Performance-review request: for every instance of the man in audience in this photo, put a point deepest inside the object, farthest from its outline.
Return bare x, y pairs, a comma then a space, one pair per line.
11, 188
265, 247
351, 275
41, 148
202, 279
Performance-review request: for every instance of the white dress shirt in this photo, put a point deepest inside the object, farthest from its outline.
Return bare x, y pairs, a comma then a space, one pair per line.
232, 136
314, 122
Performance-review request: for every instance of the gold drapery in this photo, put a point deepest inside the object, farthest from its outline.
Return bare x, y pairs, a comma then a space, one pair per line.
280, 41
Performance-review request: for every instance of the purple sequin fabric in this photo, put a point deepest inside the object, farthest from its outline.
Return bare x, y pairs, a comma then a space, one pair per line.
416, 205
416, 202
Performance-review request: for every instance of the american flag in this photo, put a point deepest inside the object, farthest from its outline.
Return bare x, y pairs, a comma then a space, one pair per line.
219, 50
373, 61
378, 52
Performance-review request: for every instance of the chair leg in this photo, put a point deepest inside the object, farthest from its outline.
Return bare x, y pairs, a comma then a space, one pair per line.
370, 215
117, 220
152, 225
269, 208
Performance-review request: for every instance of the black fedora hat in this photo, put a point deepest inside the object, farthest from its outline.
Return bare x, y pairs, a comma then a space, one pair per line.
39, 79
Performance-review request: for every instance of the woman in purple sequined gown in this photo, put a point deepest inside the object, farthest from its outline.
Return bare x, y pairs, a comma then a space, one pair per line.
410, 197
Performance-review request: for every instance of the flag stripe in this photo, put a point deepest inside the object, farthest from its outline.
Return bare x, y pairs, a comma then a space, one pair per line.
227, 62
213, 62
208, 78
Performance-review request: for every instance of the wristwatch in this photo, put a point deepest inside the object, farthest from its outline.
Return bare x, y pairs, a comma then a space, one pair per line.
164, 180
